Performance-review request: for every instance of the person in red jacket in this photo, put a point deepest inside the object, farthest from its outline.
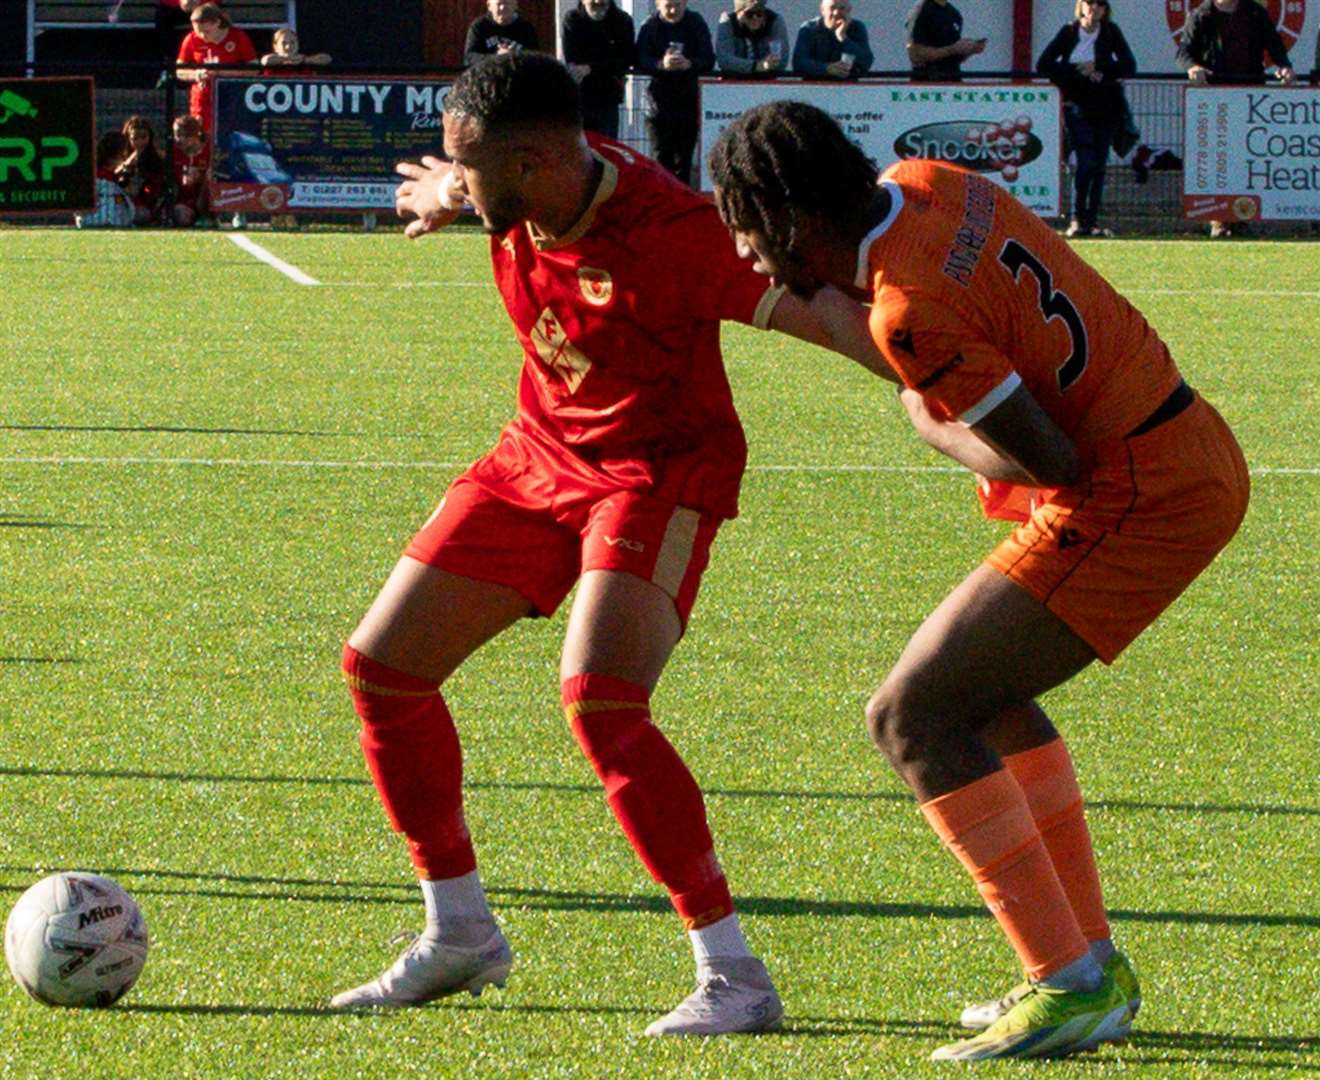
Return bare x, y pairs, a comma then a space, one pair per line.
214, 41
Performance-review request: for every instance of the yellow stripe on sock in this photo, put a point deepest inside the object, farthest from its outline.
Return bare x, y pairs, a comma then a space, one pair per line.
356, 682
574, 709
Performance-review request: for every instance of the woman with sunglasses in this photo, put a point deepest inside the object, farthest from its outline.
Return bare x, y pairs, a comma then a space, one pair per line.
751, 41
1087, 60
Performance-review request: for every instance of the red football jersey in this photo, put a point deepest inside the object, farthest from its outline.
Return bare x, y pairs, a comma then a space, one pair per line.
619, 320
236, 48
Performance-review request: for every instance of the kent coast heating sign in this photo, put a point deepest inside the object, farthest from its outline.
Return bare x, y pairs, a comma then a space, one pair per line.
1252, 152
46, 137
1009, 133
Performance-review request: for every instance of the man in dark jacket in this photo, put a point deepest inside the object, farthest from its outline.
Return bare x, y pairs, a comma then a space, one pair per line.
833, 45
674, 48
599, 48
1224, 41
500, 30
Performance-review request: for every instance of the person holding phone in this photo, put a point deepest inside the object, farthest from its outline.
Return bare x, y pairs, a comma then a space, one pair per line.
674, 47
935, 42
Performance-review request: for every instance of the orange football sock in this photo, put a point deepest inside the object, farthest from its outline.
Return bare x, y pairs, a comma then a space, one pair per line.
1047, 777
988, 826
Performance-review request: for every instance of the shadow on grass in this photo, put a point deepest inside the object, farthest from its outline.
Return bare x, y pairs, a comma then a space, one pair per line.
27, 521
595, 791
39, 660
404, 894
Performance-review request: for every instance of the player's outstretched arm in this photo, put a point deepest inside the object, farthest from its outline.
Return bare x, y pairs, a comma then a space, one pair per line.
426, 194
834, 321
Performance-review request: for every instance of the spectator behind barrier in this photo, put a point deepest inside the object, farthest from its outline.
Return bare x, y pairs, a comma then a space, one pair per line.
192, 164
936, 47
287, 53
833, 45
142, 171
114, 209
751, 41
1086, 60
599, 48
214, 40
674, 48
500, 30
1225, 41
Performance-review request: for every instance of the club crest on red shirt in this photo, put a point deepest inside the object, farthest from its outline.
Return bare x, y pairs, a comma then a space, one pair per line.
597, 285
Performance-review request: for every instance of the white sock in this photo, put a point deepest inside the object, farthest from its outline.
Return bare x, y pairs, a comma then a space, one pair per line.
1102, 949
456, 904
1082, 974
723, 939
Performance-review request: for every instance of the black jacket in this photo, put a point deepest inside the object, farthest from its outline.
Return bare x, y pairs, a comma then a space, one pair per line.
607, 46
1200, 44
484, 35
1113, 59
675, 89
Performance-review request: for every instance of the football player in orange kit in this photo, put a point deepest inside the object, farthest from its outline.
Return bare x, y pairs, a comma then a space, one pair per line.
1021, 362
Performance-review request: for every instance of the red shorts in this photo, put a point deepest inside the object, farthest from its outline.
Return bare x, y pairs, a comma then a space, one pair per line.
1109, 555
513, 519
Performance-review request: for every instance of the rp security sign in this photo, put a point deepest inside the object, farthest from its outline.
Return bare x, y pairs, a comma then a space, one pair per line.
46, 140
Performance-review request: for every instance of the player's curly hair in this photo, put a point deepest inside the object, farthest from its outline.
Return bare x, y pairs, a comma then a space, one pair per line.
516, 90
788, 155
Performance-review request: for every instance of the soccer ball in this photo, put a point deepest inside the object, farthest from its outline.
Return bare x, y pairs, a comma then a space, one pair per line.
76, 939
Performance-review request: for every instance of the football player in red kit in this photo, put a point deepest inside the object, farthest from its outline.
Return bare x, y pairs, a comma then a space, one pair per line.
624, 459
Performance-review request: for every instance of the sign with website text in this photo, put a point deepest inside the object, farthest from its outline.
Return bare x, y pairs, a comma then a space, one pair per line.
1009, 133
292, 143
47, 137
1252, 152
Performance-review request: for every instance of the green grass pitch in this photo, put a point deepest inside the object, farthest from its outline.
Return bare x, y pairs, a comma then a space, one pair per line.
206, 471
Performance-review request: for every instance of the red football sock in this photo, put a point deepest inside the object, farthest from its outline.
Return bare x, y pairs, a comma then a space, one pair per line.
651, 793
412, 750
1047, 777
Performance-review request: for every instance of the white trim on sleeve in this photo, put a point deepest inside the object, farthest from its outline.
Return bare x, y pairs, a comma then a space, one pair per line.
863, 278
992, 400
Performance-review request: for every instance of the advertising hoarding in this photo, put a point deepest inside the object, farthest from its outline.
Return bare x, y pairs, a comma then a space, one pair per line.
1252, 152
1009, 133
291, 143
47, 142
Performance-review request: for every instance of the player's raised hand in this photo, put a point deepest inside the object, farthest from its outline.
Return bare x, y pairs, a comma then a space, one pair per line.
427, 195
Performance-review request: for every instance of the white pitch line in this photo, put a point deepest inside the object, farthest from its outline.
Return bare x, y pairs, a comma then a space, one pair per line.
1281, 293
257, 251
408, 284
293, 463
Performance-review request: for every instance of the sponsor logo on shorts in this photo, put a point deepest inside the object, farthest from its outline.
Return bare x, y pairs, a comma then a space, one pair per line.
624, 542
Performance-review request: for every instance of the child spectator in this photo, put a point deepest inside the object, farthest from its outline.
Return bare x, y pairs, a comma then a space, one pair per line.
113, 206
288, 54
214, 40
192, 164
142, 172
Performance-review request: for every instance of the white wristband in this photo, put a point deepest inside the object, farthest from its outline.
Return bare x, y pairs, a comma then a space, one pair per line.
447, 201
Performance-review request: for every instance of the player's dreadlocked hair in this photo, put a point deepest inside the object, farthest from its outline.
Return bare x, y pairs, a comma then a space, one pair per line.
788, 155
516, 90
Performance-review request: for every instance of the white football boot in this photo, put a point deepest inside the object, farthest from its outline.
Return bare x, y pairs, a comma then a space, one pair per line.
733, 995
429, 969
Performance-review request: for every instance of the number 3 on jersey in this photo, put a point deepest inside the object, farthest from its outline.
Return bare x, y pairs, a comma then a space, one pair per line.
1053, 305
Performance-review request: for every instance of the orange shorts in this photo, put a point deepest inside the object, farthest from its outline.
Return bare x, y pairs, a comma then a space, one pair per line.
506, 523
1109, 555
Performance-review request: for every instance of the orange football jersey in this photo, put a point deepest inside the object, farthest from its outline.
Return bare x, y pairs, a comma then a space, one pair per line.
975, 295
